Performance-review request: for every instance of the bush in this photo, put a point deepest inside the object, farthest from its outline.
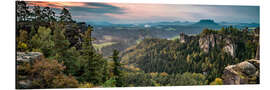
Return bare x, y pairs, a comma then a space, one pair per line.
22, 46
110, 83
49, 74
86, 85
218, 81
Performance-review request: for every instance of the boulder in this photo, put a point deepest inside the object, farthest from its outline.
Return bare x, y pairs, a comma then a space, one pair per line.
246, 72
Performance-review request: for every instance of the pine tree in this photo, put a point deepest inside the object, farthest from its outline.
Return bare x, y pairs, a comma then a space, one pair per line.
42, 41
22, 11
63, 53
37, 14
65, 16
48, 15
32, 32
116, 70
93, 66
61, 43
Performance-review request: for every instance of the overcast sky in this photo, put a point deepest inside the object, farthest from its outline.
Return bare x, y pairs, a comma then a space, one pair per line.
141, 13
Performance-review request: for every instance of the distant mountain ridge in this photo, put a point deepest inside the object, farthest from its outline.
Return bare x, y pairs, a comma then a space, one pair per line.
206, 23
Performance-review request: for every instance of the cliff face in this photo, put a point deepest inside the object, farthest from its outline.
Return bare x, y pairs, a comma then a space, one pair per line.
186, 38
207, 41
229, 47
247, 72
212, 40
183, 37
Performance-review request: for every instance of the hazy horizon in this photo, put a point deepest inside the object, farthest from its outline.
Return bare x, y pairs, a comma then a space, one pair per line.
126, 13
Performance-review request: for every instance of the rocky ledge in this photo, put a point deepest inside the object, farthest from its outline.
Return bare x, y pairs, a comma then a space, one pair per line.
28, 56
247, 72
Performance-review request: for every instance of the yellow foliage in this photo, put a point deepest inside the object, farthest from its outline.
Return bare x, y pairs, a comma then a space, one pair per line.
153, 74
164, 74
218, 81
36, 50
189, 59
132, 67
22, 46
137, 69
86, 85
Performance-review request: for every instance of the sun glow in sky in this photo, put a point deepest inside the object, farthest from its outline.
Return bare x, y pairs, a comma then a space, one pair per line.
141, 13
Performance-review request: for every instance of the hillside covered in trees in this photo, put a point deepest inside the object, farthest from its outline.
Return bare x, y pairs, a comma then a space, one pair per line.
208, 52
55, 51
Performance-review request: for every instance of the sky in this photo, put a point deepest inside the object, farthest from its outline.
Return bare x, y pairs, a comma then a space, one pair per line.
123, 13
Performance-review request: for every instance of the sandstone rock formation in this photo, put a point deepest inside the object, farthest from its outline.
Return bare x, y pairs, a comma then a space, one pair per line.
212, 40
183, 37
28, 56
186, 38
247, 72
229, 47
208, 41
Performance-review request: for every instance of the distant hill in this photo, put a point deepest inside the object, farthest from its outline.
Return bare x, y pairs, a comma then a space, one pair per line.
99, 23
207, 23
170, 23
208, 52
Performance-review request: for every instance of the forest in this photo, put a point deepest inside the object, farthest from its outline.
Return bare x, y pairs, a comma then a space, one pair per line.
70, 60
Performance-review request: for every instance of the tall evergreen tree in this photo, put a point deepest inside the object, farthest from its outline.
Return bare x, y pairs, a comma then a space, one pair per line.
63, 53
93, 62
48, 15
22, 11
42, 41
61, 43
116, 70
65, 16
36, 13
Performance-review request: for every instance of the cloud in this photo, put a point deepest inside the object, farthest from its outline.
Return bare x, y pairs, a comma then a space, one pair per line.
132, 12
101, 8
58, 5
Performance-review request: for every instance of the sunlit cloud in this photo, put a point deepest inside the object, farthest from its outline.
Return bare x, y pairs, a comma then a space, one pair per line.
131, 12
56, 4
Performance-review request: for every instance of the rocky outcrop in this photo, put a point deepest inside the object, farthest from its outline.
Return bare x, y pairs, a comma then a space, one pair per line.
186, 38
257, 39
247, 72
229, 47
258, 53
28, 56
183, 37
212, 40
204, 43
208, 41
